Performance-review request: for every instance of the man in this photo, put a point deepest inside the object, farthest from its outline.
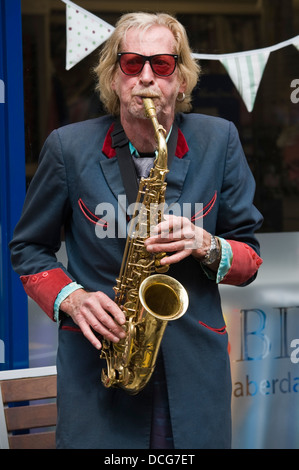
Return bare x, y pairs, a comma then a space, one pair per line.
187, 402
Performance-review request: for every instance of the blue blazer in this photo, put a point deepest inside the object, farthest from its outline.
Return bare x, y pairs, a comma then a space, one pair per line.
78, 178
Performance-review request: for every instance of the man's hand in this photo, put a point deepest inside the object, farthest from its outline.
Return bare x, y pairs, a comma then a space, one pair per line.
180, 238
95, 311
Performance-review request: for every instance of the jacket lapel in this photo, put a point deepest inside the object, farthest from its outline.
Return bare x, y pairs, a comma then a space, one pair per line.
112, 175
175, 179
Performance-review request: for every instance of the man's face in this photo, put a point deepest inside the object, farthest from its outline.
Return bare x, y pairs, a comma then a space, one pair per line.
163, 90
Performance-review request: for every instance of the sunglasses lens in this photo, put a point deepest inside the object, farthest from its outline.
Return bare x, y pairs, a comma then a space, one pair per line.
131, 64
162, 64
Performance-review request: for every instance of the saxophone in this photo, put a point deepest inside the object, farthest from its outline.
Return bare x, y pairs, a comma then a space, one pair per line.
148, 297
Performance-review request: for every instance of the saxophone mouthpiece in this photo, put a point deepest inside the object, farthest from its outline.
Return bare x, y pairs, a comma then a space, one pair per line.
150, 110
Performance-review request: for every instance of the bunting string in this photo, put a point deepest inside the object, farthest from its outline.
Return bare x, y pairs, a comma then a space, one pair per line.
85, 32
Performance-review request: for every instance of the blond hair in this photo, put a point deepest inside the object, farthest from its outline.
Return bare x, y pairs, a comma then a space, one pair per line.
189, 69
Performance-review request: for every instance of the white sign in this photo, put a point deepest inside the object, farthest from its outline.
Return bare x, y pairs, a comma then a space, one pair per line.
263, 327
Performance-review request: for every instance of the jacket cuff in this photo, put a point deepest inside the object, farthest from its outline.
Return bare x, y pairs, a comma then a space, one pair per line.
63, 294
44, 288
224, 265
245, 264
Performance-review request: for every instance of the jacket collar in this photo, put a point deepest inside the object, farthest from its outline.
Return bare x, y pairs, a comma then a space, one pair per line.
107, 149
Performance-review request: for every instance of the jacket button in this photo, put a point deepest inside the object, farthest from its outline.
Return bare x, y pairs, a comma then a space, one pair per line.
45, 274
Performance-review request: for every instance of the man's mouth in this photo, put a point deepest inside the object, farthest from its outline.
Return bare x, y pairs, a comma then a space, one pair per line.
140, 98
146, 95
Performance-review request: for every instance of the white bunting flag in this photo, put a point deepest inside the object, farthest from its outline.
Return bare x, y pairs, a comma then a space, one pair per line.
85, 32
246, 68
296, 42
246, 71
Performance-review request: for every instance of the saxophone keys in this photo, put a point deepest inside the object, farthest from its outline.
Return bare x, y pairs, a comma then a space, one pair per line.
158, 267
162, 269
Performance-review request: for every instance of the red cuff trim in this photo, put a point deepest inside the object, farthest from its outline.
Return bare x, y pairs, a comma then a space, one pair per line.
44, 287
244, 265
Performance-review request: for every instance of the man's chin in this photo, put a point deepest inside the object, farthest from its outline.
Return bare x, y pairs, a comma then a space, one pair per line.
137, 109
137, 113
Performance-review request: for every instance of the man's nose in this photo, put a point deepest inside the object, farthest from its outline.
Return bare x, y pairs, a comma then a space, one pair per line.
146, 74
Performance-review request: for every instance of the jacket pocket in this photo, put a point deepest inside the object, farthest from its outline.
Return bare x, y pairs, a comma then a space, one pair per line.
219, 331
90, 215
76, 329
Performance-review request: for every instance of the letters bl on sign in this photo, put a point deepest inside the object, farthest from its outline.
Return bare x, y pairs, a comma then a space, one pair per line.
263, 335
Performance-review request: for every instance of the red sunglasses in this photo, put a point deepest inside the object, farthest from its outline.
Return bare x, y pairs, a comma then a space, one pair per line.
161, 64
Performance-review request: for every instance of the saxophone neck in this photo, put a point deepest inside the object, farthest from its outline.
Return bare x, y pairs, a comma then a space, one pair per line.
160, 134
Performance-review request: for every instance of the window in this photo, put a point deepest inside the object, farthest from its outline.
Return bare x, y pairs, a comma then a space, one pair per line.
269, 134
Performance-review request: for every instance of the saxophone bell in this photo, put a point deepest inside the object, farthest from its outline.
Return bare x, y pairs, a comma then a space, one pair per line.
163, 297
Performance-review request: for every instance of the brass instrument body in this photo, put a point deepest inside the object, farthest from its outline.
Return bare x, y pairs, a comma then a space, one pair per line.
149, 300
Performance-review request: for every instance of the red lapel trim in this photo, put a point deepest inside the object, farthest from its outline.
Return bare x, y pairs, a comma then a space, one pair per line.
107, 145
181, 148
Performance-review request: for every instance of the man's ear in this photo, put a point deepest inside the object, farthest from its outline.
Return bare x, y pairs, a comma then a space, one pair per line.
183, 86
